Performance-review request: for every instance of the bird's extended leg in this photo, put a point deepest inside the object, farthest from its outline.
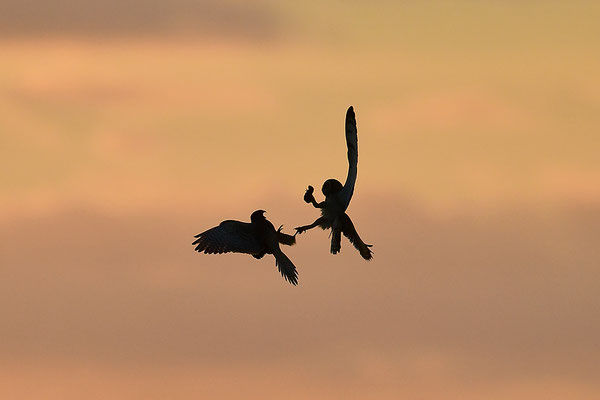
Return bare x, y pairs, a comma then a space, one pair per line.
319, 222
284, 238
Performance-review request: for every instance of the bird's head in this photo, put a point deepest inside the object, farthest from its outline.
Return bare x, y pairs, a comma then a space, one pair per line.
257, 215
331, 186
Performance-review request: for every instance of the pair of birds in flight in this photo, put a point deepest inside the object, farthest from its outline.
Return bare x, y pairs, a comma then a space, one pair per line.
259, 237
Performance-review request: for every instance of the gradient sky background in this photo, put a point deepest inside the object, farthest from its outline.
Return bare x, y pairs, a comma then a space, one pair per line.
126, 127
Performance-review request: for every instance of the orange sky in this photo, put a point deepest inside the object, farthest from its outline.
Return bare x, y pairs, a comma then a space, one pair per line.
478, 186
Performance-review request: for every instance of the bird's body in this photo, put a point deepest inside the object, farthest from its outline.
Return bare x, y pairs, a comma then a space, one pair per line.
256, 238
337, 199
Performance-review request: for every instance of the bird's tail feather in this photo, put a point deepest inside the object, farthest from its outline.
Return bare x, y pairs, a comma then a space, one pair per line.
286, 267
350, 232
336, 240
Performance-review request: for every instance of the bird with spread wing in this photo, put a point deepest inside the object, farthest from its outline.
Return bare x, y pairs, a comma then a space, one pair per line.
256, 238
337, 199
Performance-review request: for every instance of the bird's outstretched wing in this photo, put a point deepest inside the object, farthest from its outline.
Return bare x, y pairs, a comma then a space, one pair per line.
229, 236
352, 142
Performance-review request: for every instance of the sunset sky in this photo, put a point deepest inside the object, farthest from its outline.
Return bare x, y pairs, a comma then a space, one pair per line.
126, 127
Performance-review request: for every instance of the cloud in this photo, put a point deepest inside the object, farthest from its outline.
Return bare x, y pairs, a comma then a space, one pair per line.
115, 17
509, 295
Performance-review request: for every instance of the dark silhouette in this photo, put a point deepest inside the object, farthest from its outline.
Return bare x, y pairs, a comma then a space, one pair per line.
337, 199
256, 238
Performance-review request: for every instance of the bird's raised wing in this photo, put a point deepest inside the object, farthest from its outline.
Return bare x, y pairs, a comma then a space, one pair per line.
229, 236
352, 142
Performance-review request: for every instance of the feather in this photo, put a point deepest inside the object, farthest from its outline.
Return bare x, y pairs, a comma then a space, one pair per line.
345, 195
229, 236
336, 240
350, 232
286, 267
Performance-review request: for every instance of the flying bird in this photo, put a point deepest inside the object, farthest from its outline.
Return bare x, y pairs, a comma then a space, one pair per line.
256, 238
337, 199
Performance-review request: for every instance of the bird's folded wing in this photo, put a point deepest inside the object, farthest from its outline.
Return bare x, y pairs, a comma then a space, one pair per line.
350, 232
352, 143
229, 236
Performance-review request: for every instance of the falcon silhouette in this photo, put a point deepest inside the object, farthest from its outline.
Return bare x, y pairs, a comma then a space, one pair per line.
337, 199
256, 238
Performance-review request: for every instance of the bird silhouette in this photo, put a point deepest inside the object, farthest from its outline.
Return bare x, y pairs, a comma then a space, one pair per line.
256, 238
337, 199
